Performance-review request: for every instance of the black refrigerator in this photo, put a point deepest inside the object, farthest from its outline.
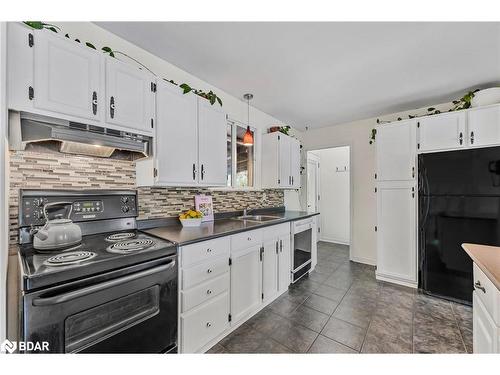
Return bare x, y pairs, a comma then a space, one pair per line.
459, 201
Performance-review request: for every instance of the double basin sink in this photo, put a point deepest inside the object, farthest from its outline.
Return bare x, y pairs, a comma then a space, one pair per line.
258, 218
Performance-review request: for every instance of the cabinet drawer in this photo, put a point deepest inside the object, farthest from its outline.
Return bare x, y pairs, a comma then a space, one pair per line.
199, 294
206, 250
275, 231
205, 323
490, 296
245, 240
197, 274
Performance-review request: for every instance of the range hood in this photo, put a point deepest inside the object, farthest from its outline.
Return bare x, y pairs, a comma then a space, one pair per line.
74, 138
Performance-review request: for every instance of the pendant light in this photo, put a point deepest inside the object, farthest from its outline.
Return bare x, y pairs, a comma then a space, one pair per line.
248, 137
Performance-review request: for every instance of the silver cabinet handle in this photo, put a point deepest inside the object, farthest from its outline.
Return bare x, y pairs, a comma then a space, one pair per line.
209, 324
209, 271
413, 172
461, 138
94, 103
249, 239
281, 246
471, 138
209, 292
112, 107
209, 250
194, 171
477, 285
202, 171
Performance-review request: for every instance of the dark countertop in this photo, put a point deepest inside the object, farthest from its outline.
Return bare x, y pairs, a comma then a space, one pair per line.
221, 227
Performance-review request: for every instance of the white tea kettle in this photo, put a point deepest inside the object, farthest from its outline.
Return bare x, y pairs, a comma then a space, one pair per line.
57, 233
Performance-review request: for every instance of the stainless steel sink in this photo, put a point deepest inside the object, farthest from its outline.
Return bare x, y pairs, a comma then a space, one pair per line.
258, 218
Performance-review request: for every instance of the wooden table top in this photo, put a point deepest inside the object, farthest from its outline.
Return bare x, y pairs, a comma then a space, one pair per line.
487, 258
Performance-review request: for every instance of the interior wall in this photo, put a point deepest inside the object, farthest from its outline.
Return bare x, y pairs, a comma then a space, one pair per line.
356, 134
335, 186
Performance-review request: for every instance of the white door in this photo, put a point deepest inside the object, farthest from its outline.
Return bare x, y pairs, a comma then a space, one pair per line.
484, 330
67, 76
284, 263
396, 149
483, 126
176, 136
285, 177
295, 162
129, 96
270, 270
245, 282
441, 132
212, 129
396, 231
313, 194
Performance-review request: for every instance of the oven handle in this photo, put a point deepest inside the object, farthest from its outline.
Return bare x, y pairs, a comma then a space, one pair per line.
98, 287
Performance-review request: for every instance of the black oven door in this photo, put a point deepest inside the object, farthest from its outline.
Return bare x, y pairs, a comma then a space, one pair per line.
132, 313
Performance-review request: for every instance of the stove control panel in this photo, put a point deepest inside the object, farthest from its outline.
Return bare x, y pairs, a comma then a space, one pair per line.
86, 207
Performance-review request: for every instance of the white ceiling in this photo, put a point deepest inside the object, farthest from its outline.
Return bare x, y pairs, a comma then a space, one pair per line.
321, 74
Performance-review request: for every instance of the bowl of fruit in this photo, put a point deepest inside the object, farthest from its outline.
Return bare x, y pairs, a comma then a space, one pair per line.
191, 218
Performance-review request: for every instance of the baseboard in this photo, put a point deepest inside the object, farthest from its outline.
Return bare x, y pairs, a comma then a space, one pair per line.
395, 280
333, 240
369, 261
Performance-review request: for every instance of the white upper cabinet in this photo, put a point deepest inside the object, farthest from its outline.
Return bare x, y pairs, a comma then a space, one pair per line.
176, 150
129, 96
67, 76
396, 232
212, 143
483, 126
281, 166
442, 132
295, 163
396, 151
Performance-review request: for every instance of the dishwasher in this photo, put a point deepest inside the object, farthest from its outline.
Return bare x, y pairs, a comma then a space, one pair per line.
302, 245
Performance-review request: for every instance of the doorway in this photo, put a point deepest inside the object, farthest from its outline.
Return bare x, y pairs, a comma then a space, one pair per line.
329, 192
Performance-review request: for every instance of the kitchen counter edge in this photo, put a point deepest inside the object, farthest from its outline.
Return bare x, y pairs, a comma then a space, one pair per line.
487, 258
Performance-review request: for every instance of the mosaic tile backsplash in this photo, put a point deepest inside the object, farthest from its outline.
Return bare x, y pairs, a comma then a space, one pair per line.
40, 170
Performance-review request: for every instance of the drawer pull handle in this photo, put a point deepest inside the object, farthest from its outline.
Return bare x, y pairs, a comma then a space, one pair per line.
209, 292
209, 324
209, 250
209, 271
249, 238
477, 285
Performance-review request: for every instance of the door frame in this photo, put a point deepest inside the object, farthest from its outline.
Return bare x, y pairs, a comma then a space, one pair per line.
314, 159
351, 191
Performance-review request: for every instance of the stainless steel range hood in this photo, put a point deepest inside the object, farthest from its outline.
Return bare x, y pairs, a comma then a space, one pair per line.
74, 138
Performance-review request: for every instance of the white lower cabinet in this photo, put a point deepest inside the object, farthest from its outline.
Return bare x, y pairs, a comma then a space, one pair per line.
396, 233
485, 332
485, 314
225, 281
246, 274
204, 323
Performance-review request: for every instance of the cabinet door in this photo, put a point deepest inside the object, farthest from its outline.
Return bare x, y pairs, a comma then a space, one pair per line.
245, 282
67, 77
484, 126
284, 263
396, 147
484, 330
285, 177
270, 269
176, 137
295, 162
396, 231
212, 125
129, 97
442, 132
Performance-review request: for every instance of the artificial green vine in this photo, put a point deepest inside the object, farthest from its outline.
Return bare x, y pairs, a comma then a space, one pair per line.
463, 103
210, 96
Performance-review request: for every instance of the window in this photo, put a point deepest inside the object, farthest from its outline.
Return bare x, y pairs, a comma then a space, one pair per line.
240, 157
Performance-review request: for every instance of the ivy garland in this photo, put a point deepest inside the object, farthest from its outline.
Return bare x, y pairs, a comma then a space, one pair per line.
210, 96
463, 103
